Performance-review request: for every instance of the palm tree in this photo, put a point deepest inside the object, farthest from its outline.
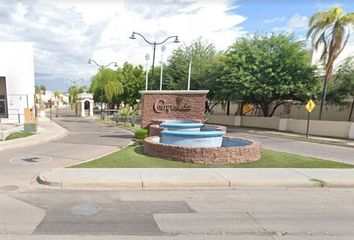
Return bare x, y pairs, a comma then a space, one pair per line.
73, 92
329, 30
107, 79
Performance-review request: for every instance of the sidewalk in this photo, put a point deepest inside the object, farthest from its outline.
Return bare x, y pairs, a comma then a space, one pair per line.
172, 178
47, 131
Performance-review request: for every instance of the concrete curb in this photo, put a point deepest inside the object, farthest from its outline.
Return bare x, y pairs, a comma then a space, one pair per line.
173, 178
5, 133
310, 139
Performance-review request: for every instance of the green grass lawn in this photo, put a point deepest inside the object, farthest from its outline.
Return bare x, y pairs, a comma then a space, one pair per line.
134, 157
18, 135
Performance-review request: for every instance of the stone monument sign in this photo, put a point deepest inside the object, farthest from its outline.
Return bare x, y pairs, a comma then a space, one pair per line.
170, 104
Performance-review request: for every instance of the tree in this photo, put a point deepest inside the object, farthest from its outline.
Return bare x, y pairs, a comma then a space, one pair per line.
329, 30
267, 69
73, 92
203, 54
213, 71
206, 68
40, 89
110, 81
133, 81
341, 89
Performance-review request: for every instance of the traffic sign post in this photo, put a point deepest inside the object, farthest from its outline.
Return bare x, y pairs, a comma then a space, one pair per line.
309, 107
50, 109
308, 125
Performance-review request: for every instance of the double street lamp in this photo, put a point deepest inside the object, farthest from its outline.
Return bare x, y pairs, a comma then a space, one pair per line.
90, 61
163, 48
154, 44
74, 81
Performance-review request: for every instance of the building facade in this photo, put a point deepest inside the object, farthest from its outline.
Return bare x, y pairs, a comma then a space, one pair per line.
16, 80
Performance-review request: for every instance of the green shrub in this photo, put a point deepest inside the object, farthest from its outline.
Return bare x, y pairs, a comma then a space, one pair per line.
140, 134
127, 112
126, 115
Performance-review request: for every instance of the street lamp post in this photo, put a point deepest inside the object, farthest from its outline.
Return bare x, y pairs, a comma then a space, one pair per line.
163, 48
147, 57
189, 72
154, 44
90, 61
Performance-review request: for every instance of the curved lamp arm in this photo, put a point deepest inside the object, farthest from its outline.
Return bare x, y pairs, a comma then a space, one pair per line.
103, 66
133, 37
175, 41
93, 61
154, 43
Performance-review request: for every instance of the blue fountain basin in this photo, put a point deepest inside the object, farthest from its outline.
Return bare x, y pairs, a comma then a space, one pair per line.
232, 142
192, 138
182, 125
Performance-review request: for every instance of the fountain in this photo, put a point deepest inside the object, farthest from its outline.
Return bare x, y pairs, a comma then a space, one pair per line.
174, 119
189, 133
192, 141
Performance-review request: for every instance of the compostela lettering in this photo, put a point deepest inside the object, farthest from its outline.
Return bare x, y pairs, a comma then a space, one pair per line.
180, 105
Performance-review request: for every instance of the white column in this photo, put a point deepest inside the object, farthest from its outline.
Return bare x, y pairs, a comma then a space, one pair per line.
91, 108
82, 105
351, 131
283, 124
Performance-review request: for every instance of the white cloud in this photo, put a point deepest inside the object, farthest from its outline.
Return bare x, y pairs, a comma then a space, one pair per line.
19, 13
297, 22
273, 20
66, 33
294, 24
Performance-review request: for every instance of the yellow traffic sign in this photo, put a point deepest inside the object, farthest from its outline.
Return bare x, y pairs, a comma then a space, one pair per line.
310, 106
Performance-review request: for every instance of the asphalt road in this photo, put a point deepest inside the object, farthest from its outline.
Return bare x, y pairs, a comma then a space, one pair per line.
319, 150
219, 214
86, 140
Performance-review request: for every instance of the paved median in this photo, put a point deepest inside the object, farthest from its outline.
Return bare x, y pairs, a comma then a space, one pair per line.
167, 178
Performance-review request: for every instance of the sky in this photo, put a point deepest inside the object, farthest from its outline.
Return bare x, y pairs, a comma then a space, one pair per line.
66, 33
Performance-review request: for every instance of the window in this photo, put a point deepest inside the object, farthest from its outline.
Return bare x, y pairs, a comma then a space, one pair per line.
3, 111
3, 102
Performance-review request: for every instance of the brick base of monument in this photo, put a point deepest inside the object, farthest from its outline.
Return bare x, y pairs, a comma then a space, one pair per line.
219, 155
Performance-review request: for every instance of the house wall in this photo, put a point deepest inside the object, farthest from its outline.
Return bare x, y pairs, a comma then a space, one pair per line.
17, 66
338, 129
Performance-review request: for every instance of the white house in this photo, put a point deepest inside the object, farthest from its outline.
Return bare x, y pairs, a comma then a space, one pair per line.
16, 80
64, 99
49, 95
